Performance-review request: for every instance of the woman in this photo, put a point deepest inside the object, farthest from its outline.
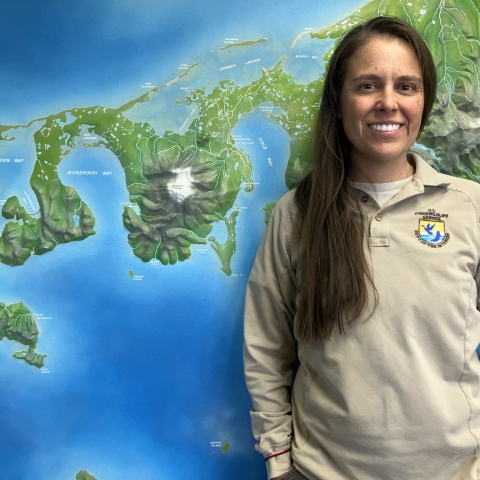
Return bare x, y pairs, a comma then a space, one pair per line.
367, 282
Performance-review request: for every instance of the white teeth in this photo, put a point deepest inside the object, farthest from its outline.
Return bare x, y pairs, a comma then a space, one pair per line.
385, 128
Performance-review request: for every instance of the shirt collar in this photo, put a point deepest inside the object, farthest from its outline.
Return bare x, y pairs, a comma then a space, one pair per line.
425, 175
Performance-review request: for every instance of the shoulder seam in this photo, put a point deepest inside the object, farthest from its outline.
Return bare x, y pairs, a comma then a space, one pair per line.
477, 217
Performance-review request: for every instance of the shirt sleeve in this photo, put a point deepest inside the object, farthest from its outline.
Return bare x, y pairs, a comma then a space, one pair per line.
270, 353
477, 281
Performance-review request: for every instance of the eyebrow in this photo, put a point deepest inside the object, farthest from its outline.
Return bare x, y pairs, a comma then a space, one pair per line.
403, 78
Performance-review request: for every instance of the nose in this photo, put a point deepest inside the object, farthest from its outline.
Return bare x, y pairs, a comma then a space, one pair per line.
387, 100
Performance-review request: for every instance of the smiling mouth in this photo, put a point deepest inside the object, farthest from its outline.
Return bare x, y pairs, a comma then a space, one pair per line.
382, 127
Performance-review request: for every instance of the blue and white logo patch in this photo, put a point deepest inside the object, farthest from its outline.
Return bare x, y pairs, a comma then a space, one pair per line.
431, 228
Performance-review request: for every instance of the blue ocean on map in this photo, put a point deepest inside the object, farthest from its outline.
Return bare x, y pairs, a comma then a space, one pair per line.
98, 378
143, 377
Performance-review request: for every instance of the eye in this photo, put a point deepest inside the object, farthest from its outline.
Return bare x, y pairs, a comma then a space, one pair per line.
407, 87
367, 86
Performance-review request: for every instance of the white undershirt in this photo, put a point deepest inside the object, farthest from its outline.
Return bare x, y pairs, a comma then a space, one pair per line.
382, 192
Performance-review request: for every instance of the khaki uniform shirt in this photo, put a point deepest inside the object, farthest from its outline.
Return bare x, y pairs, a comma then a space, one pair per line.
398, 396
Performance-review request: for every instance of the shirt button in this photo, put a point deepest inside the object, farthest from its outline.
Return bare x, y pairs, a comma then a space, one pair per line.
364, 199
378, 217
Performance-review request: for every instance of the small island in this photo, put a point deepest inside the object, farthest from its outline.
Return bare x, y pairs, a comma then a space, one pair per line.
248, 43
225, 447
181, 76
84, 475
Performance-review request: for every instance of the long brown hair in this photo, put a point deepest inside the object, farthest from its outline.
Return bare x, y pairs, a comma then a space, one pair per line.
335, 278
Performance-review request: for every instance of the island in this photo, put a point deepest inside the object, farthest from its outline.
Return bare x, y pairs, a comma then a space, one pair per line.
84, 475
248, 43
225, 446
181, 76
18, 324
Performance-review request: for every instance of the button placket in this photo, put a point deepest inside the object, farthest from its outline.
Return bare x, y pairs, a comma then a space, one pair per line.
379, 231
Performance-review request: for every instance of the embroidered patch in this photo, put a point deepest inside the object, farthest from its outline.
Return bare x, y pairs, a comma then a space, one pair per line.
431, 229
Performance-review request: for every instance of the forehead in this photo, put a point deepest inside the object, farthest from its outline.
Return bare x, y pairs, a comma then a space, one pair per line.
384, 54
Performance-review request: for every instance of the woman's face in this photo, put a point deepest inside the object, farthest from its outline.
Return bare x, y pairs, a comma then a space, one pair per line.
382, 103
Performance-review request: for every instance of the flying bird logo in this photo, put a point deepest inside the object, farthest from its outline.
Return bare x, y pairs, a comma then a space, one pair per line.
432, 232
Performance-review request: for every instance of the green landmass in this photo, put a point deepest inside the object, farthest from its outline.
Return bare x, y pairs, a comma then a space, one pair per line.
165, 224
63, 216
225, 446
131, 274
226, 250
84, 475
18, 324
451, 29
248, 43
162, 225
268, 208
220, 110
